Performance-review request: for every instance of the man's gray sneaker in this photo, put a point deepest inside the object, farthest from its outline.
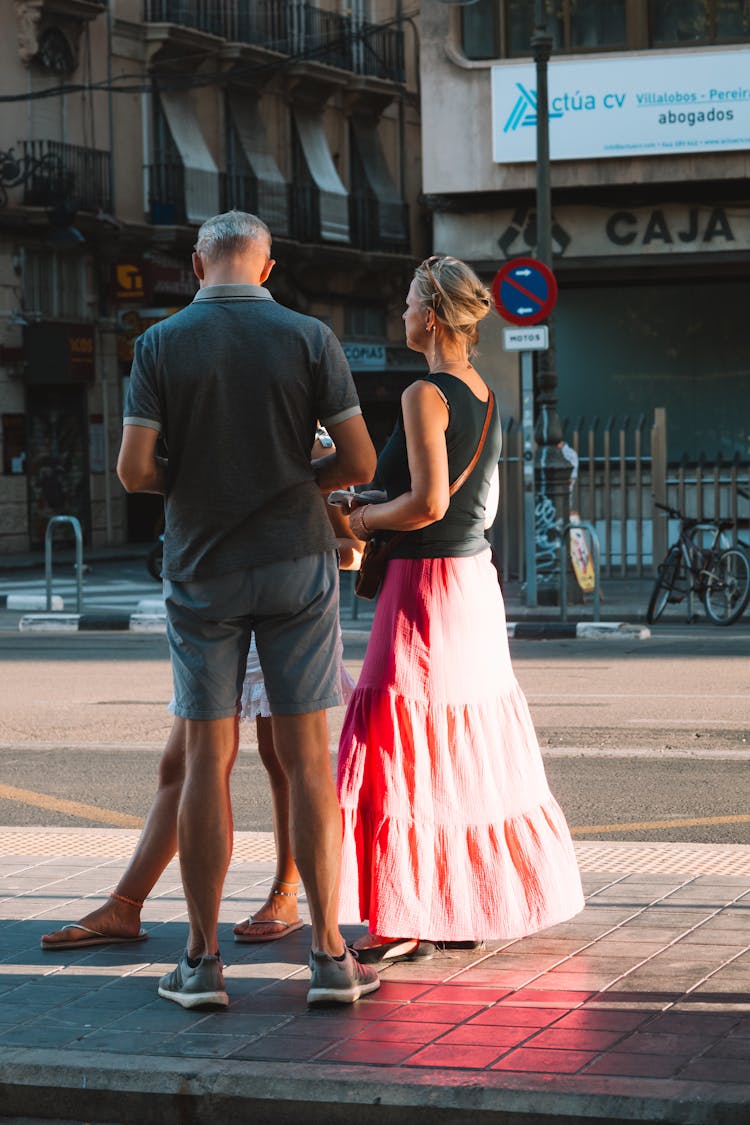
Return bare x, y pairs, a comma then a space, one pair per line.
199, 987
339, 982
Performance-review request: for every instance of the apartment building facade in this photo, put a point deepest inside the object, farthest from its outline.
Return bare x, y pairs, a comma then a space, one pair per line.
124, 126
650, 165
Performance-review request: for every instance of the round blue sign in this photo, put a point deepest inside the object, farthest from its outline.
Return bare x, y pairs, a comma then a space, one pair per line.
524, 291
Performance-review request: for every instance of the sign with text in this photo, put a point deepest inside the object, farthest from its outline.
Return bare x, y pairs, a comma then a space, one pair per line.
364, 357
526, 339
648, 105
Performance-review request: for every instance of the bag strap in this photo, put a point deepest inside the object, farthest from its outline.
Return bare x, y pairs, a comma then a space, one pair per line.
478, 452
462, 477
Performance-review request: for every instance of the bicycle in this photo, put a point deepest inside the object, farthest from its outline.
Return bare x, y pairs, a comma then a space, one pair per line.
717, 572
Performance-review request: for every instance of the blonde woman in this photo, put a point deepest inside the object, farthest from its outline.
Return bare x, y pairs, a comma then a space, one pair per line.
451, 833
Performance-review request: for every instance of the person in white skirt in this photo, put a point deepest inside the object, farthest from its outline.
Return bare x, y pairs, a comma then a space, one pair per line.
118, 919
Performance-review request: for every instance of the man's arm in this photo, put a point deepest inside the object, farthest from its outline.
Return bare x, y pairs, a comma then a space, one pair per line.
354, 460
138, 467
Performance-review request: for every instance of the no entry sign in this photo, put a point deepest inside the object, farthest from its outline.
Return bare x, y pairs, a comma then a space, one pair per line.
524, 291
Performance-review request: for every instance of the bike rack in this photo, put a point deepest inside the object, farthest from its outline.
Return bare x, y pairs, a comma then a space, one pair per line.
76, 525
582, 525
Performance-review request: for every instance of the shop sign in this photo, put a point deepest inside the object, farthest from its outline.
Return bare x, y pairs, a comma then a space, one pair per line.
666, 229
151, 282
645, 105
60, 353
128, 282
364, 357
132, 323
593, 232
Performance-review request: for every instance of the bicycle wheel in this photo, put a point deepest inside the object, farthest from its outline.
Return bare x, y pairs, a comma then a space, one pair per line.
727, 586
670, 573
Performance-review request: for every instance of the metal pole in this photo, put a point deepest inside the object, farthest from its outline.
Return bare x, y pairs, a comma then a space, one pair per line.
553, 471
527, 436
76, 525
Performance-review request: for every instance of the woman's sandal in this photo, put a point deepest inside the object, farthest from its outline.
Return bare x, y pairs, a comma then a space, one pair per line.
253, 939
286, 927
400, 949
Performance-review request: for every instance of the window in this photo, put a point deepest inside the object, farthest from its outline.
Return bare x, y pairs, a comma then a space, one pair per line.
575, 25
675, 22
364, 322
493, 29
479, 30
54, 285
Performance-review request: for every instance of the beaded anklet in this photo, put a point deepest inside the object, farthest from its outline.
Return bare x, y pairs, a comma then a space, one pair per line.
284, 894
127, 901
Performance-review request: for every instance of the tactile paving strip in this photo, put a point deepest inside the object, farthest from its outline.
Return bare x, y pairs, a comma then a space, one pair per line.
593, 855
111, 843
663, 859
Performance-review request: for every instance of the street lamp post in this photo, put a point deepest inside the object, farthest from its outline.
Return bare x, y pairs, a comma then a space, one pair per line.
552, 469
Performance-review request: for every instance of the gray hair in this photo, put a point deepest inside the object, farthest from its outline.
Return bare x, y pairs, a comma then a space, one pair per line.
230, 233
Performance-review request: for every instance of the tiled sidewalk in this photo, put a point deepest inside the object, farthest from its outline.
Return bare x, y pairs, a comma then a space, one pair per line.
642, 1000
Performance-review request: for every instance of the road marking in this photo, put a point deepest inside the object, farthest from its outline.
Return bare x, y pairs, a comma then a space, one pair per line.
73, 808
741, 725
648, 824
557, 696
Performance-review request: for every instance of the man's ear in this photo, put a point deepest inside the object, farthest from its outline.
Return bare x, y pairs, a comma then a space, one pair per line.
267, 269
198, 266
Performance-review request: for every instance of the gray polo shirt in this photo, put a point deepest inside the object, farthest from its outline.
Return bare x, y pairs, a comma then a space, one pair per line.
235, 384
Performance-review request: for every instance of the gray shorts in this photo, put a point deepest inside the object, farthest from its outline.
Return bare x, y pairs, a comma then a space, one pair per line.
293, 610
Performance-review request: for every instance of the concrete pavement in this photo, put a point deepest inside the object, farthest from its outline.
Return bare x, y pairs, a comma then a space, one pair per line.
636, 1010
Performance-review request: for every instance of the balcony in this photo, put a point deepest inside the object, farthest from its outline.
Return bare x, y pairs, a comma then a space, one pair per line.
166, 202
378, 225
292, 28
66, 174
305, 200
241, 190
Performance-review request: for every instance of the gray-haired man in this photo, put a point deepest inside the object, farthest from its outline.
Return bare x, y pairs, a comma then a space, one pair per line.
235, 385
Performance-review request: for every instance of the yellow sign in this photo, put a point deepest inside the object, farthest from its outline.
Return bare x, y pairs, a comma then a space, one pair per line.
129, 284
583, 565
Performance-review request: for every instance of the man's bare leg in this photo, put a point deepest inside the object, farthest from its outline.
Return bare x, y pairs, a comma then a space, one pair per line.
302, 747
204, 825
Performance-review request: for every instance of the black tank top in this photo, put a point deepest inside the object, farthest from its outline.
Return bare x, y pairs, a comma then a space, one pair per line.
461, 530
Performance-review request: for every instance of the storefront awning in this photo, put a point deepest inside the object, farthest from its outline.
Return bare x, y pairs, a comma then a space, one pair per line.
334, 199
391, 210
273, 204
201, 173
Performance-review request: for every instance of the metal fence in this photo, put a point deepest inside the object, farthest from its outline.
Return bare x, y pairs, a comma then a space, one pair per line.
623, 468
67, 174
292, 27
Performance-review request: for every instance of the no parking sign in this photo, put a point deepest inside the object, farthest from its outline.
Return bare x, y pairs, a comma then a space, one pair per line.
524, 291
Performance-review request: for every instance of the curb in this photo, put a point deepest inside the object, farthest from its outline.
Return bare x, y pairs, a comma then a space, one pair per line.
554, 630
75, 1085
30, 601
148, 622
93, 623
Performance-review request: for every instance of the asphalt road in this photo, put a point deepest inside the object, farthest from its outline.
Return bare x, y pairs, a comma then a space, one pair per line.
643, 734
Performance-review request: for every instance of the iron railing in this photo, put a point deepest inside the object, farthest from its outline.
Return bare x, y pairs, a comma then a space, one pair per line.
166, 195
293, 28
622, 469
305, 212
366, 226
66, 174
242, 191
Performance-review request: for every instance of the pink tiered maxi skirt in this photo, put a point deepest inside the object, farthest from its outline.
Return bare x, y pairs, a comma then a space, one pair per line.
450, 830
